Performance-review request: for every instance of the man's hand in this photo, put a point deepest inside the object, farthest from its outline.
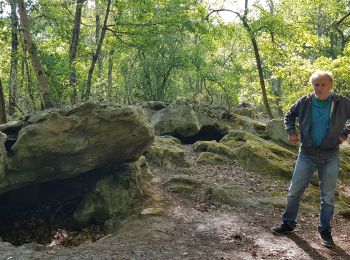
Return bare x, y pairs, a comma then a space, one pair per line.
293, 139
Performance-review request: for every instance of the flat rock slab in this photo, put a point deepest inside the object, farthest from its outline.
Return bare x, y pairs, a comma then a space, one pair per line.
59, 144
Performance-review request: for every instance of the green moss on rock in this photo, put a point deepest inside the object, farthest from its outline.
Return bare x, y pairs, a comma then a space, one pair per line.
166, 152
211, 158
183, 184
260, 155
113, 196
248, 124
232, 195
213, 147
345, 163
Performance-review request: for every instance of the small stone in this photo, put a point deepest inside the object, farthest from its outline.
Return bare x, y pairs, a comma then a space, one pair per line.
152, 211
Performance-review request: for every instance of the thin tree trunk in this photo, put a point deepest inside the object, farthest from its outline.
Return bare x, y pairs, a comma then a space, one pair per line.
110, 70
29, 77
14, 60
87, 91
259, 65
44, 90
3, 118
97, 36
73, 50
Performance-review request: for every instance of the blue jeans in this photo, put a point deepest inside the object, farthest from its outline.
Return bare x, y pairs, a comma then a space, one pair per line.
328, 171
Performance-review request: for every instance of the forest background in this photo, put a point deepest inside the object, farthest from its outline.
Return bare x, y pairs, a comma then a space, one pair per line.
60, 52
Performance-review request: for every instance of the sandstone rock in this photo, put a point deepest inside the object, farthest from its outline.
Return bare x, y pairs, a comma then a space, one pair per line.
113, 196
211, 158
275, 131
153, 211
166, 152
260, 155
248, 124
185, 118
58, 144
213, 147
183, 184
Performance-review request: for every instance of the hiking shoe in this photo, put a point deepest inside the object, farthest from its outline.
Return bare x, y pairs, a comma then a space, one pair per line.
326, 238
282, 229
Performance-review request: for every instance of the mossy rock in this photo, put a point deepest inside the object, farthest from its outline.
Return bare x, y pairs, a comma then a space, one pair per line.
211, 158
345, 163
248, 124
153, 211
266, 158
166, 152
275, 201
260, 155
345, 213
113, 196
245, 111
312, 196
213, 147
183, 184
239, 137
231, 195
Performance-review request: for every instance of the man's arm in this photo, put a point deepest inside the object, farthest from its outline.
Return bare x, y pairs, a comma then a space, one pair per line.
346, 131
289, 123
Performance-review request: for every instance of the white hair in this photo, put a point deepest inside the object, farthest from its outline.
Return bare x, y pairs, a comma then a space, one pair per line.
321, 73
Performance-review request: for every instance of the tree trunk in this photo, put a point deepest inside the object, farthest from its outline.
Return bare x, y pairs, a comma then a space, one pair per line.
3, 118
14, 60
110, 70
28, 77
259, 66
73, 50
98, 29
87, 91
44, 90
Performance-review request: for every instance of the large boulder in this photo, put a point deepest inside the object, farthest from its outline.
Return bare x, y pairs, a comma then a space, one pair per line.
166, 152
58, 144
275, 131
184, 118
260, 155
247, 124
112, 197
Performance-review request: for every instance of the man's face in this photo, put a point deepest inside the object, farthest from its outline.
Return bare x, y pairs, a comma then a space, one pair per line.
322, 87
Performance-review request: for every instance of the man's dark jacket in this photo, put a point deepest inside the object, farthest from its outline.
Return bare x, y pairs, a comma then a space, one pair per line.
340, 113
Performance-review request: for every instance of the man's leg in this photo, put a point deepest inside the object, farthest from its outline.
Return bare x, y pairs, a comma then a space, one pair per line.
302, 175
328, 173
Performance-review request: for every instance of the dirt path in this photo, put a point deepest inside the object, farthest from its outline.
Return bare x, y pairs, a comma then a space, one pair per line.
195, 227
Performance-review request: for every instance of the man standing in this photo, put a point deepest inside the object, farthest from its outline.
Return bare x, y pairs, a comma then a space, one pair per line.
322, 116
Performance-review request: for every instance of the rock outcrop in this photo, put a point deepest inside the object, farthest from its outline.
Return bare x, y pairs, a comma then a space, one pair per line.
112, 197
184, 118
59, 144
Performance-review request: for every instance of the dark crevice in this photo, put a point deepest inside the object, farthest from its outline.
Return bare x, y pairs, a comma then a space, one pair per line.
35, 213
207, 133
12, 134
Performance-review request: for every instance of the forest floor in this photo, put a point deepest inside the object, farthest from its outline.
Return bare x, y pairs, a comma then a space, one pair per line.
192, 226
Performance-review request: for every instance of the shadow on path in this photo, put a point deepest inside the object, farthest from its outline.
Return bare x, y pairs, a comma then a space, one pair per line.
338, 251
312, 252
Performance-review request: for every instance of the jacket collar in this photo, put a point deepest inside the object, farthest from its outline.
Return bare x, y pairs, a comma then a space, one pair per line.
335, 97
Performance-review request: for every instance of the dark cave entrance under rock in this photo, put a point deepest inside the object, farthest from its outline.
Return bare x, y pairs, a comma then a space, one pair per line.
206, 133
39, 213
11, 132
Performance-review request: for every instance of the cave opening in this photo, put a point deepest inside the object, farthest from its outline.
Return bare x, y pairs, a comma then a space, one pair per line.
206, 133
43, 213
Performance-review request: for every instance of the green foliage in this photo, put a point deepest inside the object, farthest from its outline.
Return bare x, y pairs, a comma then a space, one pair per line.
171, 49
